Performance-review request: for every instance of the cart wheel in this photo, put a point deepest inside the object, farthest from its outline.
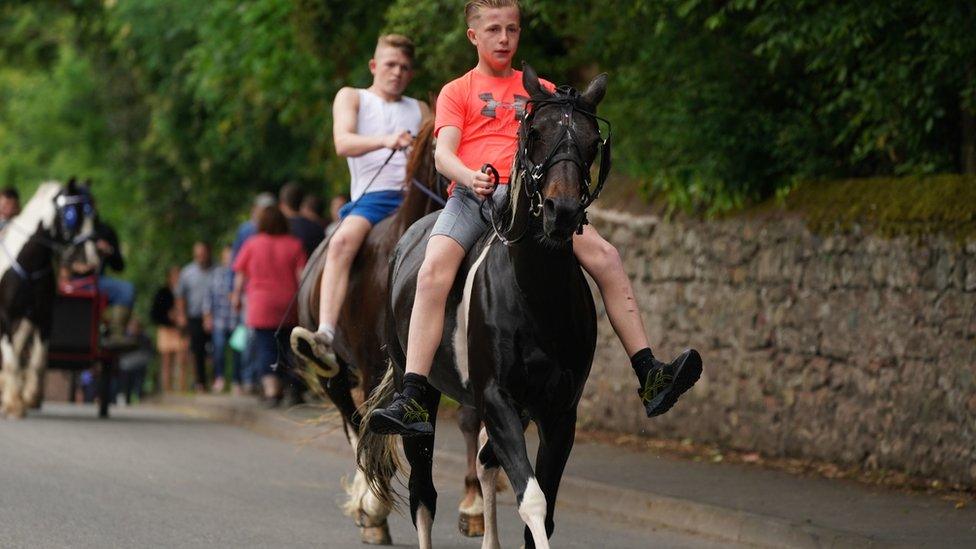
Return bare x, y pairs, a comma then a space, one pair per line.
104, 389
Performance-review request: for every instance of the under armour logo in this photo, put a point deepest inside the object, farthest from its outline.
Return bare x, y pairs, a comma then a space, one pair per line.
491, 105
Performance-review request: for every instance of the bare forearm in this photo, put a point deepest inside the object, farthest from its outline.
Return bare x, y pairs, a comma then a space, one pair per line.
353, 145
451, 167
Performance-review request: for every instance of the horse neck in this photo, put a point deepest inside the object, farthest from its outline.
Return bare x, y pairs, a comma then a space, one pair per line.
542, 272
36, 253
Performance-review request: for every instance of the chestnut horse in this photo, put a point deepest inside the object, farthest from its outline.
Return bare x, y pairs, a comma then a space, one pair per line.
359, 347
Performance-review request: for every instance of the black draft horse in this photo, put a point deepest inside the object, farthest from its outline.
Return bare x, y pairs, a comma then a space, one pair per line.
520, 332
55, 227
359, 344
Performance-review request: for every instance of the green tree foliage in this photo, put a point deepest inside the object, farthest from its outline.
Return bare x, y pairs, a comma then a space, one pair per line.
181, 110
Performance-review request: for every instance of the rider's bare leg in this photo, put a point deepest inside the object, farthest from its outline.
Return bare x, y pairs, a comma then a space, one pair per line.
342, 250
660, 384
406, 415
316, 347
442, 260
601, 260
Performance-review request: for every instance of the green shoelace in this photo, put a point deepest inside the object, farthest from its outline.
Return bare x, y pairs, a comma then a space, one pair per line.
413, 412
655, 382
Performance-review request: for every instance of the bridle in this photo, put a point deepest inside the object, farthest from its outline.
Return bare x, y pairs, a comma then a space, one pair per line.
565, 149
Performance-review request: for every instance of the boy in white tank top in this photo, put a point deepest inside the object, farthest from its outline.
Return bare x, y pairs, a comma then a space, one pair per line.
372, 127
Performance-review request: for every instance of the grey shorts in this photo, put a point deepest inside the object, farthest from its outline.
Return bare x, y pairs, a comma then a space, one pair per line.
461, 218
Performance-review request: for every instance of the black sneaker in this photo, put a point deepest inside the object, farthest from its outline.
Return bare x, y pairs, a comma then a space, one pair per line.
404, 416
662, 384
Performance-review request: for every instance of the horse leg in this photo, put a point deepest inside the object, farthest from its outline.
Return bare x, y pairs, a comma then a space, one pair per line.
420, 454
488, 476
471, 520
505, 431
33, 377
556, 434
363, 506
12, 350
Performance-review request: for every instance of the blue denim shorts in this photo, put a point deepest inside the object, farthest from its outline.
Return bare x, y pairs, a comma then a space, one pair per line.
375, 207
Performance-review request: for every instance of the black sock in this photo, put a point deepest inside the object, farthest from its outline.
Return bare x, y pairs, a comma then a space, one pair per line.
641, 360
414, 386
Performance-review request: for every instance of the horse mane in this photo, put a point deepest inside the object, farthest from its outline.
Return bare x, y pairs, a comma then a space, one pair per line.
39, 210
423, 148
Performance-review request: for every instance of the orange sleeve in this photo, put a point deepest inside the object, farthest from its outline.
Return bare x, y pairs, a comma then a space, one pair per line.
547, 85
450, 107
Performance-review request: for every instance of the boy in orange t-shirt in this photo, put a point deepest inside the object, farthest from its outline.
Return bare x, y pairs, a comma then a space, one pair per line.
477, 121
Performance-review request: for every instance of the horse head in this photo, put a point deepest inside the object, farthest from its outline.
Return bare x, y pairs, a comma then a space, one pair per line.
559, 140
73, 224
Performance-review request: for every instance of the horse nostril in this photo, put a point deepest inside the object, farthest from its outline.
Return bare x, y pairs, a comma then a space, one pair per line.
549, 209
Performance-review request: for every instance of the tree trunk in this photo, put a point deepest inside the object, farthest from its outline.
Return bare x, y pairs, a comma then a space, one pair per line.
968, 150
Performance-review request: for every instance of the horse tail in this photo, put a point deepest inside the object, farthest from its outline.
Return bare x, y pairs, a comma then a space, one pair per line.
377, 454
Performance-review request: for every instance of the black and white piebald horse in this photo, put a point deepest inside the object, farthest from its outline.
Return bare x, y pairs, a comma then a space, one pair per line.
520, 332
56, 226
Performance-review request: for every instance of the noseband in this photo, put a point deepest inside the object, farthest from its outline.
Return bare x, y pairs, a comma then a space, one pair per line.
566, 149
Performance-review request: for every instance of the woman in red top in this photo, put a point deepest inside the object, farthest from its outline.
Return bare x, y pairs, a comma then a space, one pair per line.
268, 267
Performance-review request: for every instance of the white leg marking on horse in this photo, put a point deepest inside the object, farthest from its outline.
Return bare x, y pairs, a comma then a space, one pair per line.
425, 521
464, 307
35, 370
489, 482
10, 402
533, 513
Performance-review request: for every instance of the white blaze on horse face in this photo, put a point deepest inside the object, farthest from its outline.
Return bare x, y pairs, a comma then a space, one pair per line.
39, 210
464, 308
533, 513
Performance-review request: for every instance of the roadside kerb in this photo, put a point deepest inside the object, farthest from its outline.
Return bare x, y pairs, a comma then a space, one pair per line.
611, 502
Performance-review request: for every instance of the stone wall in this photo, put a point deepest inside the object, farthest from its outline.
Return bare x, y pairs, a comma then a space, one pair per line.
849, 348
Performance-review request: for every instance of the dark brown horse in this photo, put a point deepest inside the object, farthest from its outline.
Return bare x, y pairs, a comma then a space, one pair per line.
357, 343
521, 340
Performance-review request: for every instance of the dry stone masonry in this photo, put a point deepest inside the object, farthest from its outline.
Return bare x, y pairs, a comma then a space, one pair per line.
847, 347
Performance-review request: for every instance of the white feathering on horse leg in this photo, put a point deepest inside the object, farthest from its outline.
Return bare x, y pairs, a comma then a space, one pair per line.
10, 403
533, 513
35, 371
425, 521
489, 480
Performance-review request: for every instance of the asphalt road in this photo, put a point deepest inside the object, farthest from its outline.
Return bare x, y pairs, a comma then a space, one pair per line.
150, 478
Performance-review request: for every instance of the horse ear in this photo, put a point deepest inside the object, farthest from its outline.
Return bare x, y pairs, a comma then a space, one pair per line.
596, 90
72, 185
530, 80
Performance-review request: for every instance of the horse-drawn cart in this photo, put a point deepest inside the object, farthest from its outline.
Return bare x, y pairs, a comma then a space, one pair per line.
75, 343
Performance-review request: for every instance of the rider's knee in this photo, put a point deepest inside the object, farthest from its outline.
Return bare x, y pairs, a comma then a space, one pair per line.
603, 258
434, 277
342, 247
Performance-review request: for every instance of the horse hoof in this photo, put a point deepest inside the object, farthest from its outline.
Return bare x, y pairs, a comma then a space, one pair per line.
472, 526
376, 535
13, 411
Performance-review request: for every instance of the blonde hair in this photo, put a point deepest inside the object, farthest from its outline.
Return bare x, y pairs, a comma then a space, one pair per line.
473, 8
397, 41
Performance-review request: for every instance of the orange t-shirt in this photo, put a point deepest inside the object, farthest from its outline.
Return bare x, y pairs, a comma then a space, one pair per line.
487, 110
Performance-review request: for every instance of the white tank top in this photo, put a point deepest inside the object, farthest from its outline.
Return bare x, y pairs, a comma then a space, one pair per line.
379, 117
